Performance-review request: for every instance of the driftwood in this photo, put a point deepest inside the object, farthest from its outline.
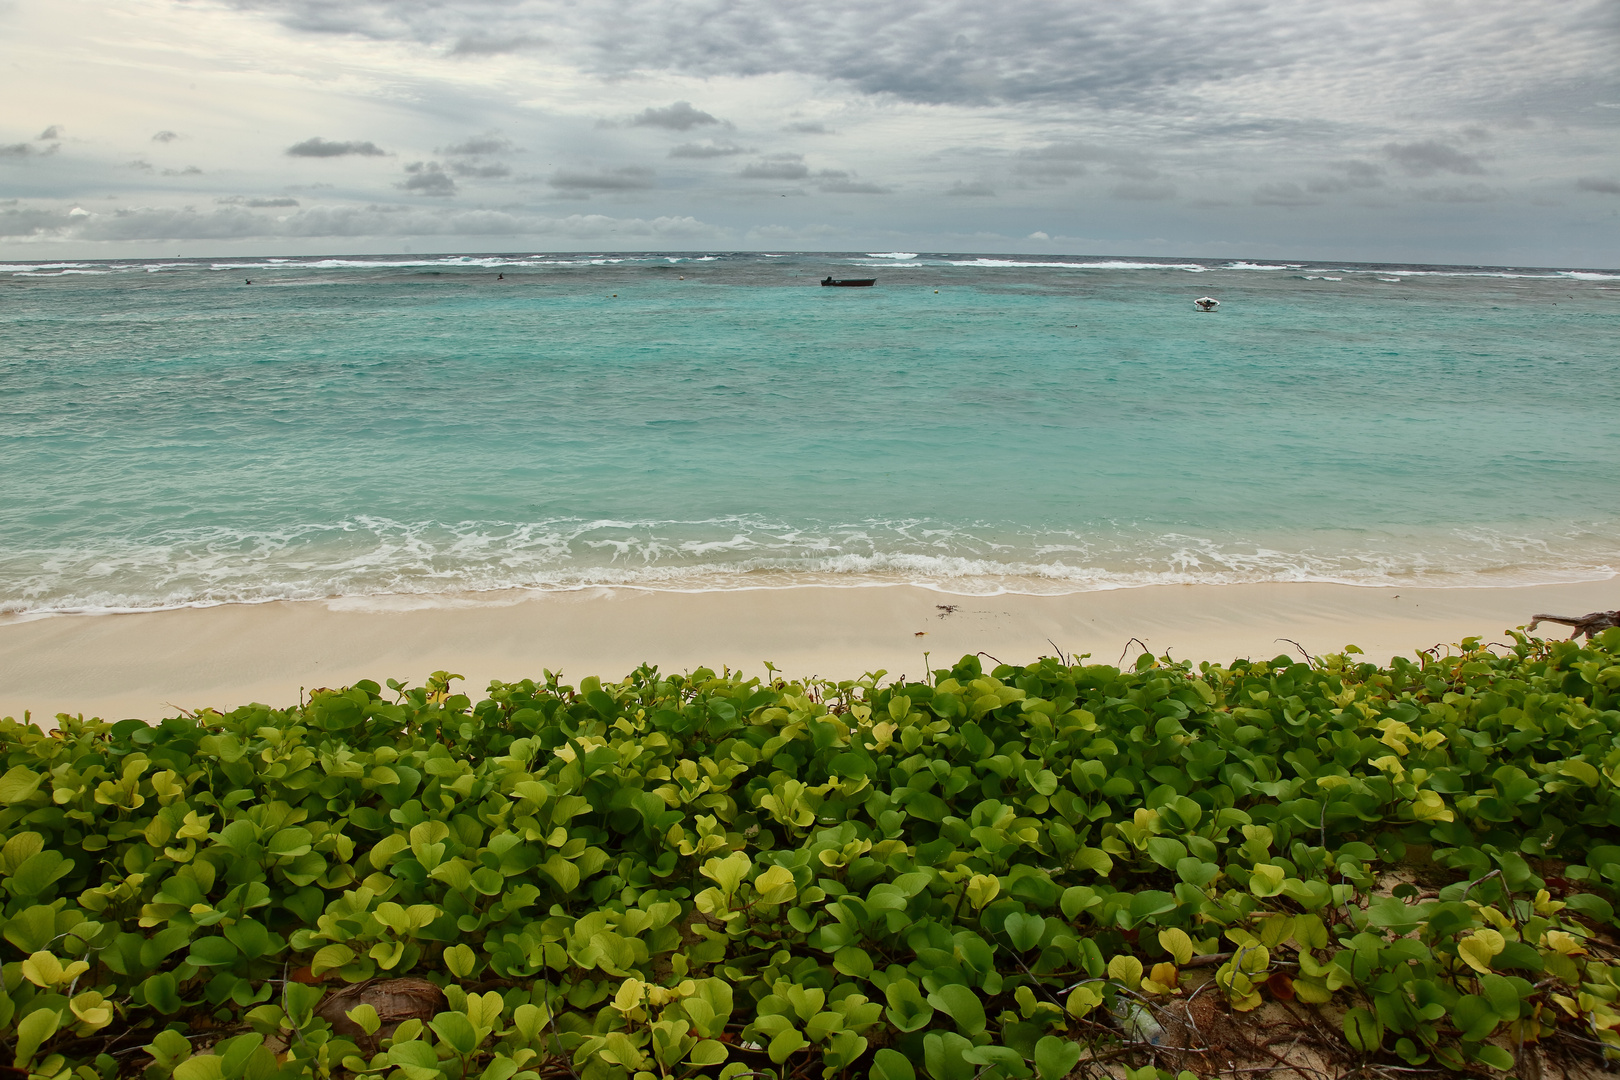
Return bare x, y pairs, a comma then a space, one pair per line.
1589, 624
395, 1000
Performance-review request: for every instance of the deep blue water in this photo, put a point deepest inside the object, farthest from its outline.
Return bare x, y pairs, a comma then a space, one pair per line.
173, 435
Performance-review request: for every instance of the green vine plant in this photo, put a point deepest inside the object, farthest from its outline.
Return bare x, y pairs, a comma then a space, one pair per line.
1046, 870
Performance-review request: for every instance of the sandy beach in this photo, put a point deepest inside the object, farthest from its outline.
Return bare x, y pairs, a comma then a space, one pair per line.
145, 665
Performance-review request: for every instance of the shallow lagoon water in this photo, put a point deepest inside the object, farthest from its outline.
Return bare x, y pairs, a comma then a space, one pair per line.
368, 426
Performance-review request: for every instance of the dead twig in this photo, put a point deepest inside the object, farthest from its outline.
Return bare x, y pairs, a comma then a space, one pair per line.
1308, 657
1479, 881
1127, 648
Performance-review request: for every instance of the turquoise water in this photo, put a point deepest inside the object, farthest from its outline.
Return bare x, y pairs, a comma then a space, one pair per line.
370, 426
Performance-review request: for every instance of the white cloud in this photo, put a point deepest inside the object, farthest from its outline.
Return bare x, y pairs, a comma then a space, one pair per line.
236, 223
706, 150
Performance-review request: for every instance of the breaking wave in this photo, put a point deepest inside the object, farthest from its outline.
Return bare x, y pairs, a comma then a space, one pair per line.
370, 557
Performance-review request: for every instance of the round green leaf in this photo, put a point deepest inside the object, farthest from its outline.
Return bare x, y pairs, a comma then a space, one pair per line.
213, 952
708, 1052
19, 784
32, 1032
200, 1067
890, 1064
161, 992
330, 957
961, 1005
1055, 1058
907, 1010
785, 1043
1363, 1030
1025, 929
853, 962
457, 1032
460, 960
250, 936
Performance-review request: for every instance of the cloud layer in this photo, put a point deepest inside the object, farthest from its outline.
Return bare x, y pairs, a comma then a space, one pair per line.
1479, 132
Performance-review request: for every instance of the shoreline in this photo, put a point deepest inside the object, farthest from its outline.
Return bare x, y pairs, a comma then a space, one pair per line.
149, 664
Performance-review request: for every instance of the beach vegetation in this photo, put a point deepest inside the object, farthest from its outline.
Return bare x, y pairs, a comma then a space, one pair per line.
998, 871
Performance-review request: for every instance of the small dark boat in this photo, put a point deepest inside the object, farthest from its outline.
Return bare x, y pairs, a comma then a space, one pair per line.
850, 283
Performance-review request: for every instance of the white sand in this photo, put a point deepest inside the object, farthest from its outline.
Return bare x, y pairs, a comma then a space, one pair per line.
143, 665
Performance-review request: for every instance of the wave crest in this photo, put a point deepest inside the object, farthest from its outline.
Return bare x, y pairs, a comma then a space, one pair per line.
371, 557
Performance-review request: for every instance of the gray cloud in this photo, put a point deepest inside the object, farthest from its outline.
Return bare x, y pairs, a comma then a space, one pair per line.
680, 116
934, 51
625, 178
1598, 184
1430, 157
1057, 163
1143, 191
1458, 193
320, 148
23, 149
189, 170
490, 143
706, 150
784, 167
427, 178
1283, 193
489, 171
973, 188
165, 137
806, 127
838, 182
483, 45
1352, 175
1497, 60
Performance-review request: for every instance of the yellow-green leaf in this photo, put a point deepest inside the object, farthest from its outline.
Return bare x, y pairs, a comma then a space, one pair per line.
1177, 944
1266, 880
981, 889
1477, 949
1126, 970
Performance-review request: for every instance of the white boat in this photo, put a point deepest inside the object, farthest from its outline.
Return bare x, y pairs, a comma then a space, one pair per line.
1206, 303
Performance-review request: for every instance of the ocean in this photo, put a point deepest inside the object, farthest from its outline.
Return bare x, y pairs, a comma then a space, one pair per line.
432, 428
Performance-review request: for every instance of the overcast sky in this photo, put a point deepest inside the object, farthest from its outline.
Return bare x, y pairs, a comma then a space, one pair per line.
1383, 130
